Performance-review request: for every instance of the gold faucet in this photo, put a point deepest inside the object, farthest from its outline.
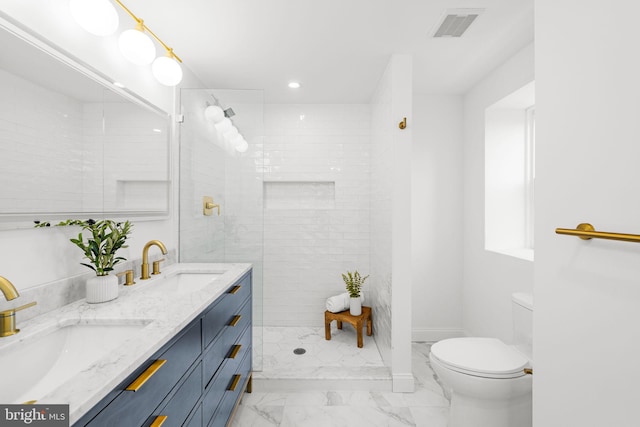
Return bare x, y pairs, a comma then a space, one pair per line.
10, 292
8, 317
145, 258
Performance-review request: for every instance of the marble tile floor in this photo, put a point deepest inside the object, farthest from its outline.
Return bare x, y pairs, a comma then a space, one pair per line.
332, 404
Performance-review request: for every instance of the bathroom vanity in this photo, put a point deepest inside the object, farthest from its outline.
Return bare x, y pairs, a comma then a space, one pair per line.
183, 351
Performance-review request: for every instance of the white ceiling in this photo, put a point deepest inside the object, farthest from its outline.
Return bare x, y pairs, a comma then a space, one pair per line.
337, 49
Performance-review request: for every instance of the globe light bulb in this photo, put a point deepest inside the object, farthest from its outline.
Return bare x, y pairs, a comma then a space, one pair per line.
137, 47
224, 126
240, 144
214, 114
167, 70
98, 17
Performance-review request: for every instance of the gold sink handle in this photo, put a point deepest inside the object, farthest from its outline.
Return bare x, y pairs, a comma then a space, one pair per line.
128, 277
156, 266
8, 320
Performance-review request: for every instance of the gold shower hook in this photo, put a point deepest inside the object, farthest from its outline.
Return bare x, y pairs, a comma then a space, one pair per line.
403, 123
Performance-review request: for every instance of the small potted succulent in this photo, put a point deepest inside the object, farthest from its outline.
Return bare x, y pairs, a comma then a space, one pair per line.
354, 282
106, 238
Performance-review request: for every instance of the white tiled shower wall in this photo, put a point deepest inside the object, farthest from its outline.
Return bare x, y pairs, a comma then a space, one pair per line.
316, 216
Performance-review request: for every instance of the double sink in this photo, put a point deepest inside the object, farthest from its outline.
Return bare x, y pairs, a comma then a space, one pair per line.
40, 359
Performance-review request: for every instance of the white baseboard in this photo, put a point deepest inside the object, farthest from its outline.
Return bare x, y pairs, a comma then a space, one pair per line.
433, 334
403, 383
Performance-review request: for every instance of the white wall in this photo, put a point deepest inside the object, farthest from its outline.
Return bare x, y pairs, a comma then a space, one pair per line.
489, 278
391, 218
436, 217
316, 198
587, 293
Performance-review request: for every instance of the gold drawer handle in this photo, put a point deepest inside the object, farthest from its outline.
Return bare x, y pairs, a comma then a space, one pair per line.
234, 351
234, 383
235, 289
235, 320
528, 371
160, 419
144, 377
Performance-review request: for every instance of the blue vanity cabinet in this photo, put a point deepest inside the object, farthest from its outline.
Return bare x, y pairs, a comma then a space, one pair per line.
231, 396
225, 348
180, 377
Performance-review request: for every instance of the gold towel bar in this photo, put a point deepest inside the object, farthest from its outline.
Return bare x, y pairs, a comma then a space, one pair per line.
586, 231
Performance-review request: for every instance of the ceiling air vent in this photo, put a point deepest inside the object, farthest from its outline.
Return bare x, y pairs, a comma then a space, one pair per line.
455, 22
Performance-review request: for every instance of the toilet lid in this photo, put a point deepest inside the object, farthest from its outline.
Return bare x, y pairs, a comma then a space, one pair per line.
486, 357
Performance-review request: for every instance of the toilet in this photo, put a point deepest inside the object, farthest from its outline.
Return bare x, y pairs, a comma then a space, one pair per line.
485, 377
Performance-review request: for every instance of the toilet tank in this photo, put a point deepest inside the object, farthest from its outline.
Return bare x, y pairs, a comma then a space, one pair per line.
522, 307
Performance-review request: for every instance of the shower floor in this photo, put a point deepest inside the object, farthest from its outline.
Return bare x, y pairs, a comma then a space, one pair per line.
336, 363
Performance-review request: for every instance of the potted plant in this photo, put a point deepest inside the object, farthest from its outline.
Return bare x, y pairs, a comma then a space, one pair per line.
106, 238
354, 282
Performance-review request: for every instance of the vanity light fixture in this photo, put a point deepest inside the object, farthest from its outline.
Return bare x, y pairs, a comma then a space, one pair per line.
166, 69
294, 85
135, 44
97, 17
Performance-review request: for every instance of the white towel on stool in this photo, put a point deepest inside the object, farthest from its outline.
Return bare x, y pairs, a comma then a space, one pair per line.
338, 303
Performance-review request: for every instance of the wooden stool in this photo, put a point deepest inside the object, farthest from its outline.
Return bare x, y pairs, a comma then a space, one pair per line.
344, 316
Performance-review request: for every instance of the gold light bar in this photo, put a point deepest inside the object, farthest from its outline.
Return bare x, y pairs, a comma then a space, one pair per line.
141, 23
586, 231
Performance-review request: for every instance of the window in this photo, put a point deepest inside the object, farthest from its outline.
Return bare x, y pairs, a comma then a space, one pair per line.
509, 174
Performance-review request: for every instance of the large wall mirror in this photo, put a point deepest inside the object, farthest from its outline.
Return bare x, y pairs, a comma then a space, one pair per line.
72, 147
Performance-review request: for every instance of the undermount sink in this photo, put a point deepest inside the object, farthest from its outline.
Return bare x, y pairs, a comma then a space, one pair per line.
39, 364
187, 281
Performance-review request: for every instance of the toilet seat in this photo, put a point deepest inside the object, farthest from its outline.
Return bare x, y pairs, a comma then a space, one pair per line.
480, 357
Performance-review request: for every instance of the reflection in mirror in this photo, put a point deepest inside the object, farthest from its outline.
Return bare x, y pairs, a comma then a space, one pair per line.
69, 146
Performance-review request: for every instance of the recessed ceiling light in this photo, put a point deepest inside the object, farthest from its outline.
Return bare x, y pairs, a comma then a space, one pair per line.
294, 85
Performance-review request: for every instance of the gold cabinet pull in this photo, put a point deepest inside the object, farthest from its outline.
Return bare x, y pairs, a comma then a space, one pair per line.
235, 320
144, 377
234, 351
160, 419
234, 383
235, 289
528, 371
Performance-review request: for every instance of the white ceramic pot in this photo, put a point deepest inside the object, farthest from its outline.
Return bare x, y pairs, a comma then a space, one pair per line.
355, 306
102, 289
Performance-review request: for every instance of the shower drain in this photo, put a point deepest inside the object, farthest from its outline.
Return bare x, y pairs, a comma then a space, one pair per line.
299, 351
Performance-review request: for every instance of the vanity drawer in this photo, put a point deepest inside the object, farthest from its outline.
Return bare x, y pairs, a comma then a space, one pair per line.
132, 408
179, 406
223, 384
223, 350
230, 396
222, 313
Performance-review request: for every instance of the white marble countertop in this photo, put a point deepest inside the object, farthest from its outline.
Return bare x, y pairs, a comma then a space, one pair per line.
164, 312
